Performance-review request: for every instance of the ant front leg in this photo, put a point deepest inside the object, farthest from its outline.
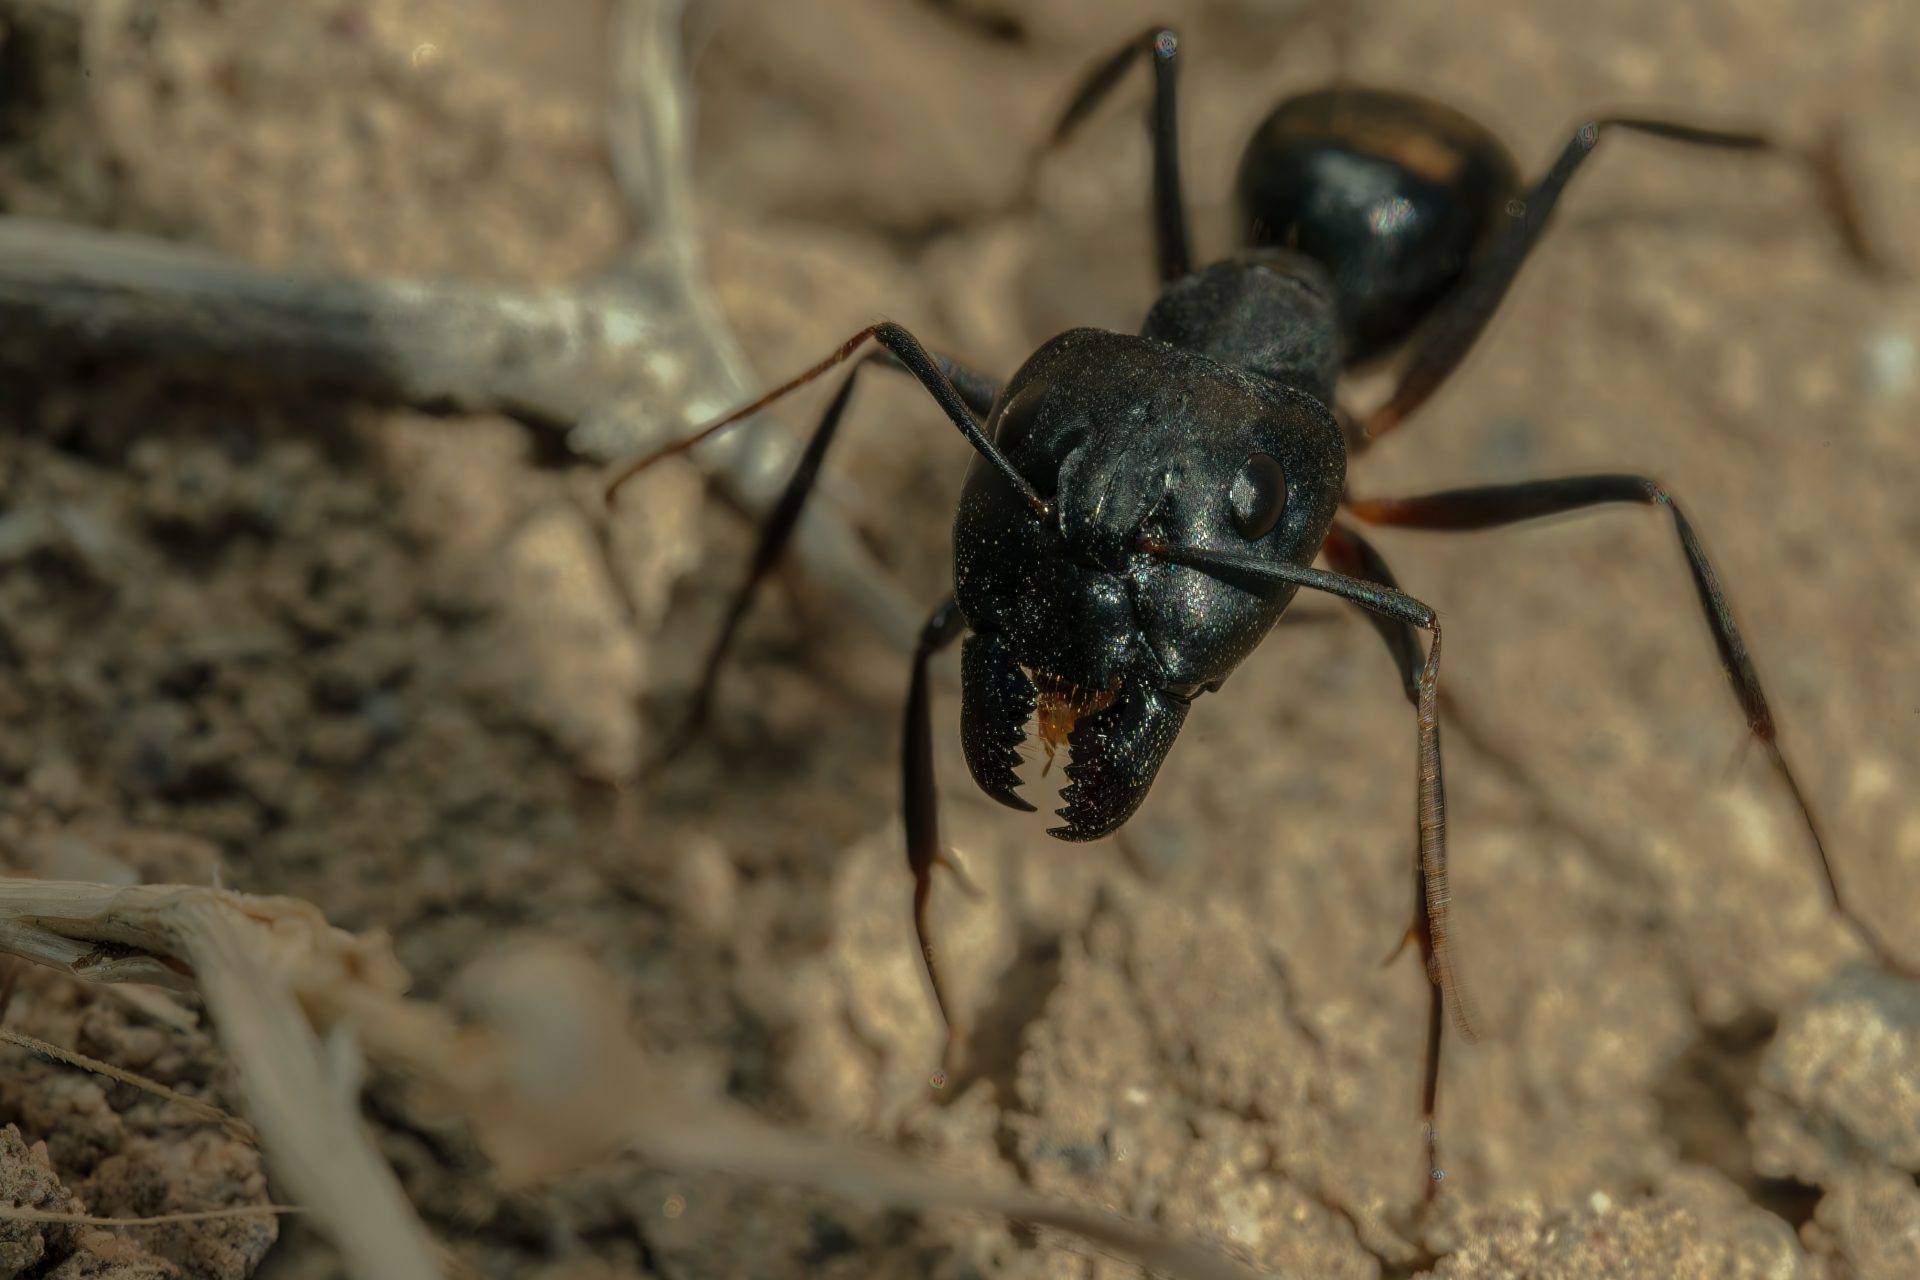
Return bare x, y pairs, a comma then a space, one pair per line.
1161, 45
1450, 332
976, 390
903, 351
1434, 896
921, 806
1352, 555
1490, 506
975, 393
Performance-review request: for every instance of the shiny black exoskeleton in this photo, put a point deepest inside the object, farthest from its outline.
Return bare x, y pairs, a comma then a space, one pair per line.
1193, 435
1394, 194
1142, 509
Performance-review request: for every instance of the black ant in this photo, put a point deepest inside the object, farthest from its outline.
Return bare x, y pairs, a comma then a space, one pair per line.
1141, 510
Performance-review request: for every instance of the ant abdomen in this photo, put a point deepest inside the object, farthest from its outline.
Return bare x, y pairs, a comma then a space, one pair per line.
1394, 194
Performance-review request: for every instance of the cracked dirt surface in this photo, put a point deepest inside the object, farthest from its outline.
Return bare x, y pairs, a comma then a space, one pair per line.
367, 657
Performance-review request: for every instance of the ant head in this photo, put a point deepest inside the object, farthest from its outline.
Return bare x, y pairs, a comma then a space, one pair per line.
1077, 616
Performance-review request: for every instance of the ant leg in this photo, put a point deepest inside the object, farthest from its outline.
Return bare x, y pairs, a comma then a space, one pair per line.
976, 390
921, 804
903, 352
1434, 895
1489, 506
1458, 320
1162, 45
1353, 555
774, 535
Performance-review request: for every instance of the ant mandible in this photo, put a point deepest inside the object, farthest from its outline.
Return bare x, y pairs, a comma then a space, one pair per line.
1141, 510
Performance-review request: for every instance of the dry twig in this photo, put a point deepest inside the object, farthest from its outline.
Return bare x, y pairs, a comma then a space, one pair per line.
618, 363
234, 1126
551, 1079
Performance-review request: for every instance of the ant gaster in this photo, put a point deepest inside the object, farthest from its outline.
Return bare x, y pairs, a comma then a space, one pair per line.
1141, 510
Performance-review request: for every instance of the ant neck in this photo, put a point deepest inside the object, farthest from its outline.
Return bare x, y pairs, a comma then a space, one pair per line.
1271, 313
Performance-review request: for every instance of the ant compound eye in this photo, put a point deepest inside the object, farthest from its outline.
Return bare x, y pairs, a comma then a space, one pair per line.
1017, 417
1259, 495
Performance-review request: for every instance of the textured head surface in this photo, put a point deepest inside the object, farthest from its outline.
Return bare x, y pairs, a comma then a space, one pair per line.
1129, 438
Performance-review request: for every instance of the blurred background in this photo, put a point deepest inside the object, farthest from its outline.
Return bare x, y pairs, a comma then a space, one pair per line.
387, 660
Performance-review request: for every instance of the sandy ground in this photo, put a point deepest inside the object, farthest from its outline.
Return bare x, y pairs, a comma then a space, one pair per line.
358, 655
